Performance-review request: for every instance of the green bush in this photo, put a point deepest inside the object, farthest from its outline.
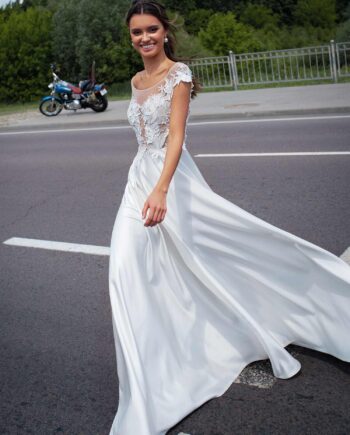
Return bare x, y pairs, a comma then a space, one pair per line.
224, 33
25, 54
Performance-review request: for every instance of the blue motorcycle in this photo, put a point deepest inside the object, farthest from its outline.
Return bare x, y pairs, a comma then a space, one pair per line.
64, 95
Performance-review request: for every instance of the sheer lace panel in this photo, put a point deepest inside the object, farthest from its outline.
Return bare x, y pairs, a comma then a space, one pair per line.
149, 109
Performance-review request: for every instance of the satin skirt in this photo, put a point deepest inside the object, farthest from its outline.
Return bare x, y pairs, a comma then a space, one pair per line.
207, 291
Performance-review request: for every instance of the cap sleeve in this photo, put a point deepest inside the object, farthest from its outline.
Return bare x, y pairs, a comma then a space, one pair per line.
182, 73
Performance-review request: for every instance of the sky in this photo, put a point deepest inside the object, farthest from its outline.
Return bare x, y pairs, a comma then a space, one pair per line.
4, 2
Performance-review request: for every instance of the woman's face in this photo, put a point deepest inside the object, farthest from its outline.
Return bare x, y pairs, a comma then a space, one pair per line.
147, 34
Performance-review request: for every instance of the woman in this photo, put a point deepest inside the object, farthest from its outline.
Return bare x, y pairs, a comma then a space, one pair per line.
200, 288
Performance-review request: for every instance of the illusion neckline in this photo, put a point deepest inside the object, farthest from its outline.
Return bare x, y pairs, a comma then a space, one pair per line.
155, 84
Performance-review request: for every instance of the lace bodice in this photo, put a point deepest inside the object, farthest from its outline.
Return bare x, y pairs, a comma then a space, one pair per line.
149, 109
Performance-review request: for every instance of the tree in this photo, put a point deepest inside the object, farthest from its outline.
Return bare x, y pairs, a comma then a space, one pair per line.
217, 5
64, 38
343, 29
259, 16
284, 9
25, 54
197, 20
316, 13
342, 8
86, 30
180, 6
343, 32
225, 33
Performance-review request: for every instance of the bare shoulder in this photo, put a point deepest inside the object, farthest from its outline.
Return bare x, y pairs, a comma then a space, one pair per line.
136, 78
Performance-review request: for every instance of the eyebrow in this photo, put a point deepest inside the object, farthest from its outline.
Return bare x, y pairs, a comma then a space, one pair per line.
152, 25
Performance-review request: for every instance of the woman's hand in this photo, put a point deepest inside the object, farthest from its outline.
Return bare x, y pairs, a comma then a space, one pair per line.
156, 203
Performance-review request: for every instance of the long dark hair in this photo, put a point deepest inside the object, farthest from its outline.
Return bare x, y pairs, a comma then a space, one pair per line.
158, 10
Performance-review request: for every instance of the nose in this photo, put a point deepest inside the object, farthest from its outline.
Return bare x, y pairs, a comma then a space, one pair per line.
145, 37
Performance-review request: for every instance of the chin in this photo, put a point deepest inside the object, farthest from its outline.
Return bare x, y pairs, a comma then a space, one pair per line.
151, 54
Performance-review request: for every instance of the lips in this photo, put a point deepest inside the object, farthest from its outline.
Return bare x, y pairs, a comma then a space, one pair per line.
147, 47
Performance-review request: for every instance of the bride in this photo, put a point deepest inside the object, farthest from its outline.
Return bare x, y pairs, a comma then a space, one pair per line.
199, 287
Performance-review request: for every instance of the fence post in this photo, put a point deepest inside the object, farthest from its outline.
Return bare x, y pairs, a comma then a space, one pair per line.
333, 62
233, 70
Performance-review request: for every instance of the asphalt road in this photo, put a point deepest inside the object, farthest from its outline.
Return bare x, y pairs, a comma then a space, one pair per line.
57, 357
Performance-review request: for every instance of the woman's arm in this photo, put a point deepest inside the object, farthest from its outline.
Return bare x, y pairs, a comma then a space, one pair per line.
178, 113
156, 202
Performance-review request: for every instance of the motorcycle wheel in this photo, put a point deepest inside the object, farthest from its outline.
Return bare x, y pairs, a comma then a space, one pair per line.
100, 104
50, 107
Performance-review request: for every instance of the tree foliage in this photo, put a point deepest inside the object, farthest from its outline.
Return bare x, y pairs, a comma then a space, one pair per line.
73, 33
85, 30
259, 16
343, 30
224, 33
197, 19
25, 53
315, 13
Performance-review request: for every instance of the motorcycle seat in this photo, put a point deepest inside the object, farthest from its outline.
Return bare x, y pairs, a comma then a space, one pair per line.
86, 85
75, 89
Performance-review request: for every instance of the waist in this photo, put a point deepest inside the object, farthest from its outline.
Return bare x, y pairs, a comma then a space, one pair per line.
153, 151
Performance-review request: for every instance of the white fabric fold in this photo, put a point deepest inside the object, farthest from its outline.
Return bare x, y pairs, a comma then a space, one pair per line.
210, 289
207, 291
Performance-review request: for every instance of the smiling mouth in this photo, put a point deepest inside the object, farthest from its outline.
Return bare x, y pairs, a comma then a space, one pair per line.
147, 46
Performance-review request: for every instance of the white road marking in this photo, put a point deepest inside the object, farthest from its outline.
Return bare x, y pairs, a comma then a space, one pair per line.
58, 246
194, 123
307, 153
65, 130
257, 374
88, 249
292, 118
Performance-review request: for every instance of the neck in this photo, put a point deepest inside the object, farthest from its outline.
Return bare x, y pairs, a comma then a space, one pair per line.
153, 64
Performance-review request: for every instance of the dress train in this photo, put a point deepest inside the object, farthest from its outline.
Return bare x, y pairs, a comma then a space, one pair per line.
210, 289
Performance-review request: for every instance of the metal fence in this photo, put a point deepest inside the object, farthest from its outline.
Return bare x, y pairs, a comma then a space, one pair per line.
291, 65
342, 53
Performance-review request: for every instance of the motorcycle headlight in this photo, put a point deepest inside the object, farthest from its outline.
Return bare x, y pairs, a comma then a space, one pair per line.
50, 86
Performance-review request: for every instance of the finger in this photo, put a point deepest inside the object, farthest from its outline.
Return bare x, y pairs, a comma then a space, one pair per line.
148, 222
153, 222
160, 216
144, 210
150, 217
156, 217
163, 215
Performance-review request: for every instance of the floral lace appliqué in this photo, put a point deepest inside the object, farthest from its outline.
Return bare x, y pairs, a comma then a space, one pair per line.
149, 109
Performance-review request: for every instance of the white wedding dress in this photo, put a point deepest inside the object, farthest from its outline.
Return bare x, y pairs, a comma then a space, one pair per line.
208, 290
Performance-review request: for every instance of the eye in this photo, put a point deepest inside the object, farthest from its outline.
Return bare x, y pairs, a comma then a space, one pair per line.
152, 29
